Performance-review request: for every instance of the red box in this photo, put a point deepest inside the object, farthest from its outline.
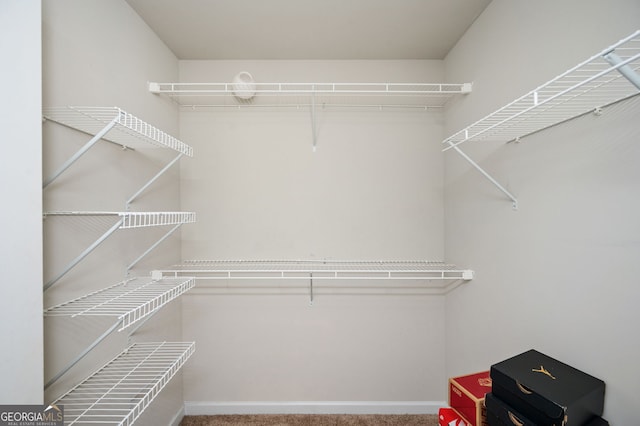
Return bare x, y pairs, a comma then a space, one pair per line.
466, 396
449, 417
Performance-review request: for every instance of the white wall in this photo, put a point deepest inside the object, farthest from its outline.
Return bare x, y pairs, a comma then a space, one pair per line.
101, 53
372, 190
21, 176
559, 274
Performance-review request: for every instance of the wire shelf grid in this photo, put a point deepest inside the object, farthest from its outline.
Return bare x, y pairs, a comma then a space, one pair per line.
317, 269
593, 84
129, 130
122, 389
135, 219
422, 95
131, 300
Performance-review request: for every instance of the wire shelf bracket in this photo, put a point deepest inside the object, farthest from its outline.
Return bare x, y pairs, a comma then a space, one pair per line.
114, 125
125, 220
607, 77
120, 391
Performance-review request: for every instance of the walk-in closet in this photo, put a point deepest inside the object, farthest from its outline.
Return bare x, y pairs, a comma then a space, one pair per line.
281, 206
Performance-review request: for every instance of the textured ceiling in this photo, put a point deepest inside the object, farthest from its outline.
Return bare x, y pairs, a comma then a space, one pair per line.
309, 29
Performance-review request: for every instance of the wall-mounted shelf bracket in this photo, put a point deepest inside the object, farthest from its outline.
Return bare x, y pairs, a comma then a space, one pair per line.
486, 175
80, 152
151, 181
84, 254
313, 120
84, 353
623, 68
150, 249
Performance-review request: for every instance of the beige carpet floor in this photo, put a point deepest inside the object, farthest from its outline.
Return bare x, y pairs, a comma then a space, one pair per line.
312, 420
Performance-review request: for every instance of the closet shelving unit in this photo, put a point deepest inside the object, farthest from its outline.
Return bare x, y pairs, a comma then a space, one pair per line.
426, 96
607, 77
324, 270
120, 391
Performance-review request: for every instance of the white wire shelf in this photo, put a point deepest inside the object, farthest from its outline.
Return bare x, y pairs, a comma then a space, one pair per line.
128, 131
131, 300
136, 219
121, 390
124, 220
316, 269
406, 95
607, 77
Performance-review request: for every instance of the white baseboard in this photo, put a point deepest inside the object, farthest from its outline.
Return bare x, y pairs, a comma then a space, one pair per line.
175, 421
195, 408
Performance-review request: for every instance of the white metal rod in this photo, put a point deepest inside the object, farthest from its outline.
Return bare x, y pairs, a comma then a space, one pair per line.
313, 120
84, 254
83, 354
485, 174
82, 150
625, 69
153, 179
156, 244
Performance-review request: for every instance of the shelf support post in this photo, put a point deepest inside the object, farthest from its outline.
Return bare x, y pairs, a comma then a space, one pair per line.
84, 254
80, 152
82, 354
628, 72
313, 117
485, 174
150, 249
152, 180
